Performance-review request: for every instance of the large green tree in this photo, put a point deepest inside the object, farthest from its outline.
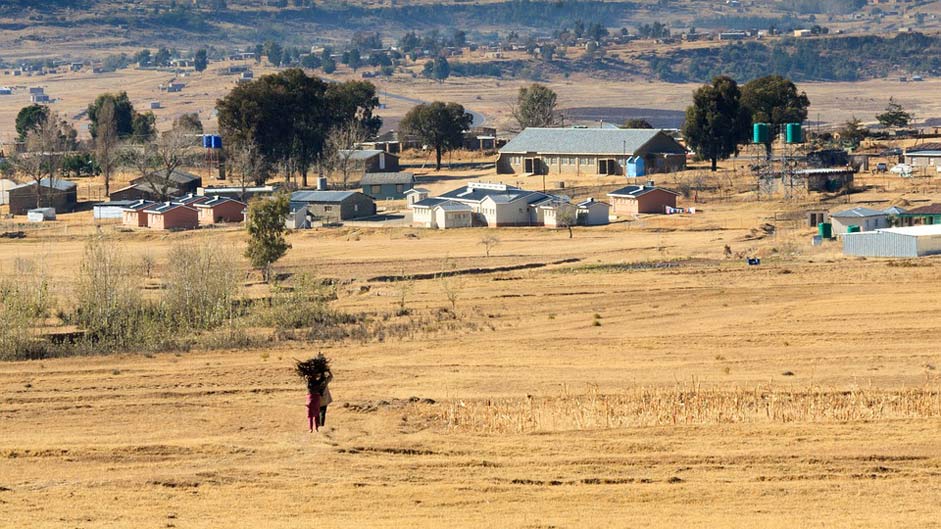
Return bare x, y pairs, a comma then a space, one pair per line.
200, 60
536, 107
894, 116
716, 123
774, 100
288, 116
128, 122
265, 224
29, 118
438, 124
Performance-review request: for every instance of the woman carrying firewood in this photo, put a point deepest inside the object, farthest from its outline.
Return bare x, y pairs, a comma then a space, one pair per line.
316, 373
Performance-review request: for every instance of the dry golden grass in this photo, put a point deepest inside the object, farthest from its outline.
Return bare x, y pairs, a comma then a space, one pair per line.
182, 439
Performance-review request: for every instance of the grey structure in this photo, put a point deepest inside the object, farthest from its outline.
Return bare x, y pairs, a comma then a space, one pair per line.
60, 195
182, 181
866, 218
332, 206
911, 241
561, 151
387, 186
371, 160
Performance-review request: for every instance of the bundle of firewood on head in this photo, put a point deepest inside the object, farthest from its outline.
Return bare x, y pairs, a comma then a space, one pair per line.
316, 368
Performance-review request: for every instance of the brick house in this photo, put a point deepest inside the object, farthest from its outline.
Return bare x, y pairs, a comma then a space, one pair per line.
637, 199
220, 209
171, 216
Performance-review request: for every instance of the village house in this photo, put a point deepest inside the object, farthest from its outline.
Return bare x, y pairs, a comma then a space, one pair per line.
171, 216
333, 206
387, 186
865, 219
135, 214
646, 198
925, 156
441, 214
143, 191
930, 214
220, 209
416, 194
592, 212
827, 179
597, 151
183, 182
61, 195
371, 161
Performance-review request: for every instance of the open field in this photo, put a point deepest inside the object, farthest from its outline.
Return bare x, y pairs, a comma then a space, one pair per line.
803, 392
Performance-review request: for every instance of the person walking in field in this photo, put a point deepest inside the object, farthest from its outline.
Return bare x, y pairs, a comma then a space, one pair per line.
317, 375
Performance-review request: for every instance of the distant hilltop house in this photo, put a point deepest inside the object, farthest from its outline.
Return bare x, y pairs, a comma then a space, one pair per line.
497, 205
58, 194
596, 151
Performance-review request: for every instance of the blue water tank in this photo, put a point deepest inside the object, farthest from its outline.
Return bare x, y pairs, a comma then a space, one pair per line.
212, 141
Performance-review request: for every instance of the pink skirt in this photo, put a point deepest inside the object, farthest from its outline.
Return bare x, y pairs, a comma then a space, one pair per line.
313, 405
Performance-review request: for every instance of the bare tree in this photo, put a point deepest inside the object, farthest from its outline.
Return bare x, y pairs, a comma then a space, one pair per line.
406, 283
451, 284
46, 146
172, 150
106, 142
489, 242
247, 165
566, 217
341, 147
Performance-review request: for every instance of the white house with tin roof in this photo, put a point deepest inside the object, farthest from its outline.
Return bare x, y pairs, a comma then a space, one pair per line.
597, 151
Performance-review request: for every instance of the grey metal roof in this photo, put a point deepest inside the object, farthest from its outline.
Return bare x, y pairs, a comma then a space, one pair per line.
417, 190
177, 176
894, 210
215, 201
636, 191
580, 141
858, 213
163, 207
450, 205
321, 196
190, 199
429, 202
359, 155
115, 204
387, 178
59, 184
591, 202
825, 170
923, 153
138, 205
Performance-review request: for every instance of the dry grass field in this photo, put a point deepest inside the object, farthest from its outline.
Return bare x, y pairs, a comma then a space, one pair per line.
648, 381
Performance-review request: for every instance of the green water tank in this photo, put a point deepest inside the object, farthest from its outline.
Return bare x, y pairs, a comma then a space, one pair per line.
761, 133
825, 230
852, 228
793, 133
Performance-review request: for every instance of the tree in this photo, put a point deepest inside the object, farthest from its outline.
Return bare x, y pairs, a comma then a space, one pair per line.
289, 114
28, 118
536, 107
143, 58
127, 120
266, 229
716, 122
143, 127
172, 150
853, 133
273, 51
438, 69
200, 60
894, 116
774, 100
489, 242
162, 58
46, 145
637, 123
438, 124
106, 142
340, 148
246, 165
189, 122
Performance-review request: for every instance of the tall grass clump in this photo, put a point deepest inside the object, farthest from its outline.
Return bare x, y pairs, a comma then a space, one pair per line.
201, 287
24, 305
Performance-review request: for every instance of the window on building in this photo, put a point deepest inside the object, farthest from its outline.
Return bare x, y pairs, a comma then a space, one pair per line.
399, 188
376, 189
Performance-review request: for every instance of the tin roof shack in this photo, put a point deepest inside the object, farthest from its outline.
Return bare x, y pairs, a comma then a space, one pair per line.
910, 241
828, 180
110, 210
143, 191
171, 216
135, 214
387, 186
334, 206
220, 209
371, 160
58, 194
923, 157
41, 214
183, 182
646, 198
865, 218
558, 151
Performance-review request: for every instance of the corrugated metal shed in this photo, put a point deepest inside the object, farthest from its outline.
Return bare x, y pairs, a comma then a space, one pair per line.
912, 241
